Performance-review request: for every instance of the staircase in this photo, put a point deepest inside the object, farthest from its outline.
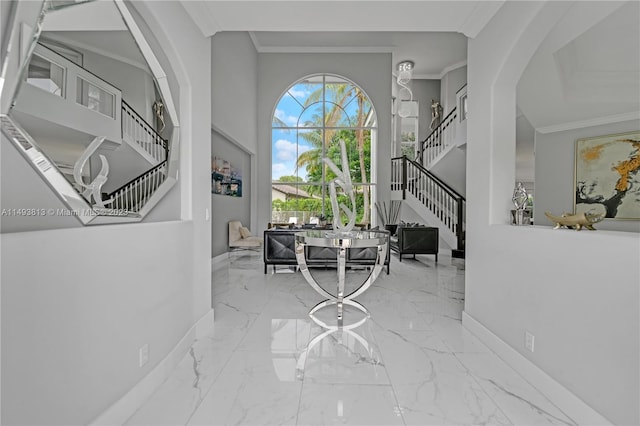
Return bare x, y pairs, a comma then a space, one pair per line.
439, 142
77, 112
428, 195
133, 195
433, 199
142, 137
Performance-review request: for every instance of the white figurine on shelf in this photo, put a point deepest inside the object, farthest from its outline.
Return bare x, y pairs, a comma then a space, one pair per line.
520, 197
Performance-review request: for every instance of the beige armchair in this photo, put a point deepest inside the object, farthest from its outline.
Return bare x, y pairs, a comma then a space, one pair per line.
240, 237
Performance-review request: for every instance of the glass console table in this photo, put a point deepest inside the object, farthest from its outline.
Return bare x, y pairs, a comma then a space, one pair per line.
342, 241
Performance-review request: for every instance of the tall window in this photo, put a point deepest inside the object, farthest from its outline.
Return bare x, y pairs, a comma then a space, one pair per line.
309, 121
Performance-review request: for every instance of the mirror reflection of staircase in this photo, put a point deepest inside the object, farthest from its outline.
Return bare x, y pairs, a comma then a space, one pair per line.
63, 106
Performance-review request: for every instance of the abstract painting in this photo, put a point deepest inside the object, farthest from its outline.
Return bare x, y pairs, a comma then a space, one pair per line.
607, 176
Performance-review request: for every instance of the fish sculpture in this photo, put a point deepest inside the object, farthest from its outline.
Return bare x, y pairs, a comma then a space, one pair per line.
577, 221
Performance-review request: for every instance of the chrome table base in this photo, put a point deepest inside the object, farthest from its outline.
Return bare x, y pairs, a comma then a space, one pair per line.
342, 242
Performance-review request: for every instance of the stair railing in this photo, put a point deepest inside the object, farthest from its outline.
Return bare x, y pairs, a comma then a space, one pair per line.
133, 195
438, 197
437, 141
134, 126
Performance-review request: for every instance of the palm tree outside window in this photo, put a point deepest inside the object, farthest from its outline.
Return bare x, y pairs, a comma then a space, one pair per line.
309, 120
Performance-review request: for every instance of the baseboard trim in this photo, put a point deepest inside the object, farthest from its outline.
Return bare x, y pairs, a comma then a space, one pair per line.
126, 406
219, 258
564, 399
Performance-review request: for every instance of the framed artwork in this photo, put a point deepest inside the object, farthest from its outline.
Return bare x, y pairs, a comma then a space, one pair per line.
225, 179
607, 176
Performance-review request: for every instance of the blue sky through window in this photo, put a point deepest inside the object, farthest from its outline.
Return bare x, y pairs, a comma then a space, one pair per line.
290, 118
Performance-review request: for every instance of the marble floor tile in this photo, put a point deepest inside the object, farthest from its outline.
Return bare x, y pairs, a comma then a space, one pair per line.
256, 387
406, 354
267, 362
520, 401
458, 338
326, 404
269, 333
447, 394
344, 356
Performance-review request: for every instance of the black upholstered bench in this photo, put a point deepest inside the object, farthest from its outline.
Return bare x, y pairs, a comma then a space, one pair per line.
414, 240
280, 249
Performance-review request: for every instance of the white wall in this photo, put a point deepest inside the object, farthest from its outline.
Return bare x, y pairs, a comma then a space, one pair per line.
277, 71
452, 169
234, 81
234, 99
577, 292
76, 308
77, 304
525, 160
125, 164
424, 91
136, 84
555, 181
452, 81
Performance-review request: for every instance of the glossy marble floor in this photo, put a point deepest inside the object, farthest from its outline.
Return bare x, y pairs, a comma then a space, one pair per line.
411, 362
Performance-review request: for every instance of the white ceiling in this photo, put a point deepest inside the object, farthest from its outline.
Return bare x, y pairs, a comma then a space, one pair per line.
96, 26
431, 33
588, 68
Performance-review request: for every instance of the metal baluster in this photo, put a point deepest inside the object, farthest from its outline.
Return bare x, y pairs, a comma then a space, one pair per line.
142, 192
137, 197
447, 211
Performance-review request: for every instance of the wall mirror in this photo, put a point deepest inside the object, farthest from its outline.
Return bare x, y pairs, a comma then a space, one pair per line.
92, 113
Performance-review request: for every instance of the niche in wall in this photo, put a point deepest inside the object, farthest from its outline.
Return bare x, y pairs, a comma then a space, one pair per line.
577, 86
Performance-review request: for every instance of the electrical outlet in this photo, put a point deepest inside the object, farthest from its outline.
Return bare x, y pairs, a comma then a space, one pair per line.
144, 354
529, 340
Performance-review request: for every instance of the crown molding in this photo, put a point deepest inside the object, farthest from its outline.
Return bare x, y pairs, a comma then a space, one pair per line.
480, 17
598, 121
202, 16
254, 40
453, 67
317, 49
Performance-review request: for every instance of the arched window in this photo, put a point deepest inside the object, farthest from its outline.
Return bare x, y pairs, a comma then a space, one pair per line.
309, 121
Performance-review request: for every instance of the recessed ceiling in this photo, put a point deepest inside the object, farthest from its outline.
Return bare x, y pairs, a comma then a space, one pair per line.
466, 17
432, 52
588, 68
431, 33
96, 26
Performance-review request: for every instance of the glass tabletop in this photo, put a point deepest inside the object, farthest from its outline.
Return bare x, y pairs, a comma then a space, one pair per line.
351, 239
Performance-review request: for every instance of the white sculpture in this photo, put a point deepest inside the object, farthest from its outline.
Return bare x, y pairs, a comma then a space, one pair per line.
343, 179
94, 188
